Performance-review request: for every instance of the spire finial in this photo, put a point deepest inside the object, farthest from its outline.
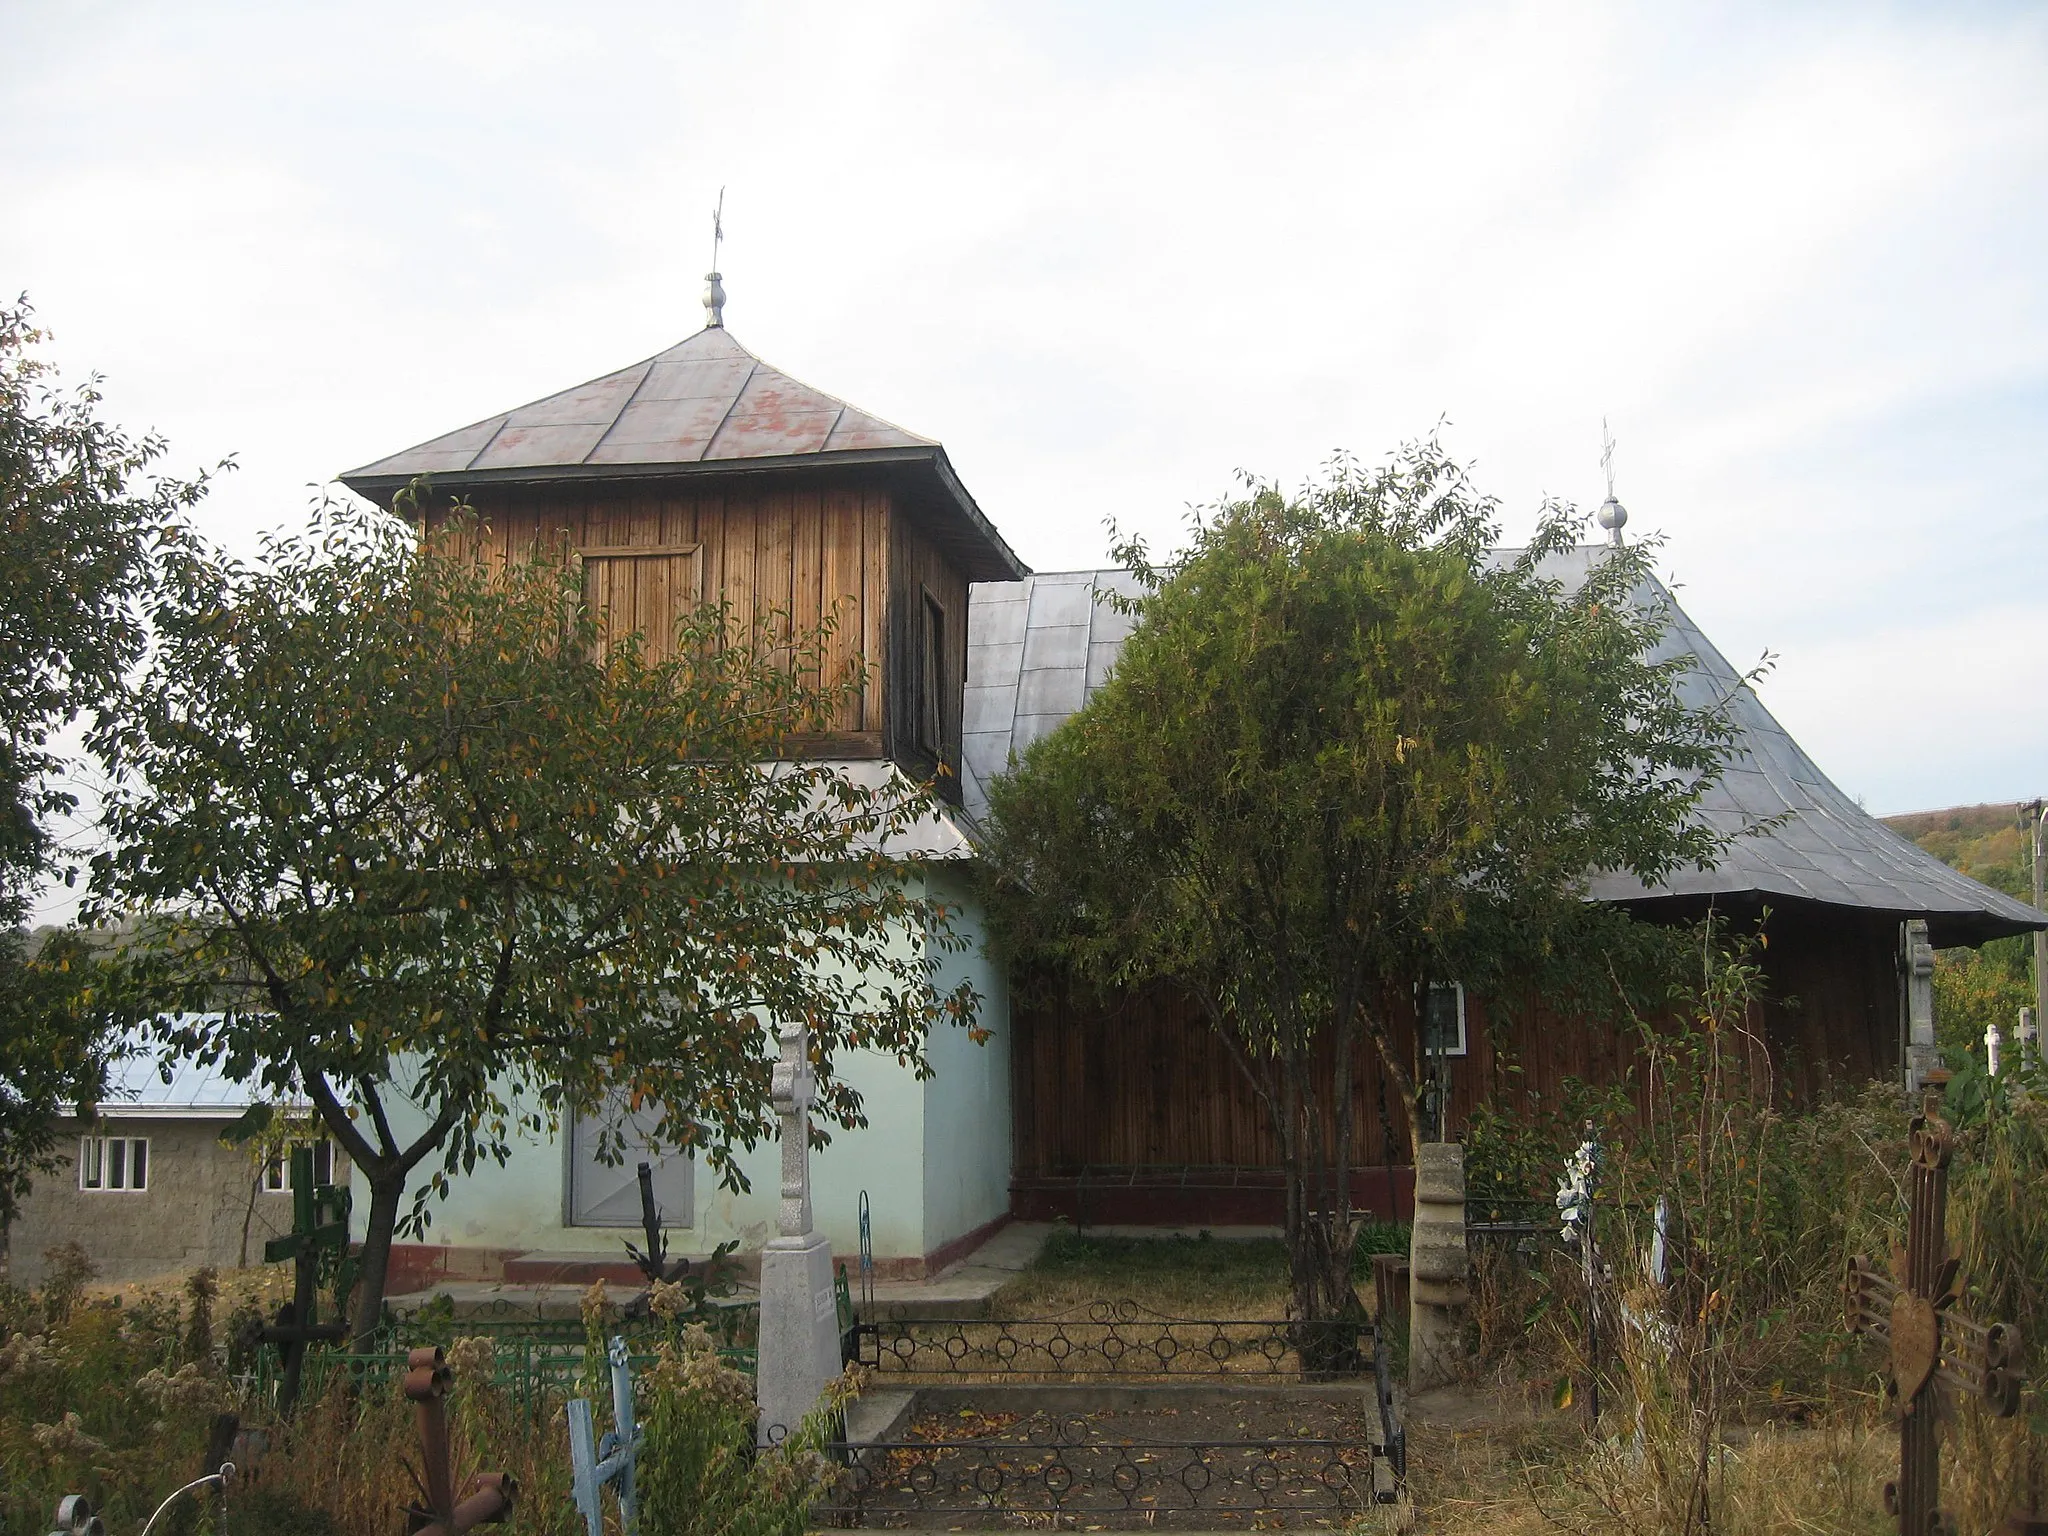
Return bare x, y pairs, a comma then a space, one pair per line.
1613, 515
714, 289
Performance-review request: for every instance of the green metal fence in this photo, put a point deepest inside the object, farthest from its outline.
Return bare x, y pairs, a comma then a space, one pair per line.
536, 1369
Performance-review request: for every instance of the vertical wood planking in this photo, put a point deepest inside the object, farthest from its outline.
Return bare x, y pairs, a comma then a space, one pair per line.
874, 596
812, 553
806, 567
839, 529
740, 520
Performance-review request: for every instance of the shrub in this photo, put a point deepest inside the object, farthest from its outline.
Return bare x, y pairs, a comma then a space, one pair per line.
699, 1471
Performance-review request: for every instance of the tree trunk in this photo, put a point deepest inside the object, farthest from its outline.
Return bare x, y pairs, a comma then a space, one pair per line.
387, 1192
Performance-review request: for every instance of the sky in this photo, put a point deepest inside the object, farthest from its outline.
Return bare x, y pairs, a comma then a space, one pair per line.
1112, 254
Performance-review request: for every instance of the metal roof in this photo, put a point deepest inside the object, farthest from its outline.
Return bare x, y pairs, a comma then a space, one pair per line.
145, 1084
705, 405
1038, 648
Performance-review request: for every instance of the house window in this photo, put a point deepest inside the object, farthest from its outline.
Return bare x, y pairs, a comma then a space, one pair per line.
277, 1175
1443, 1019
931, 679
113, 1162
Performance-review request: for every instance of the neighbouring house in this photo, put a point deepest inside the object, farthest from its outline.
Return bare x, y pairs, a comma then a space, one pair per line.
703, 472
147, 1187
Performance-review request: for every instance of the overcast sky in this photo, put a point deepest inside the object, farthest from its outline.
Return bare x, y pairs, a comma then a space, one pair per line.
1110, 254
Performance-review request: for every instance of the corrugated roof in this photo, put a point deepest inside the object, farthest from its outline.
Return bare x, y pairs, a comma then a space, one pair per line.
707, 404
143, 1082
1038, 648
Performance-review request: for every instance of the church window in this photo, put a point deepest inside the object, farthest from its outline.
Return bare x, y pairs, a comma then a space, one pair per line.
1443, 1019
931, 678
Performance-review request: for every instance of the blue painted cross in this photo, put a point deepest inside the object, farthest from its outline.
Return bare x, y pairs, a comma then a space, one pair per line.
612, 1458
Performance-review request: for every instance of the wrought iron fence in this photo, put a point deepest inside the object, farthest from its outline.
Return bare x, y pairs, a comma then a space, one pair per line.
1110, 1482
1110, 1339
1523, 1221
535, 1373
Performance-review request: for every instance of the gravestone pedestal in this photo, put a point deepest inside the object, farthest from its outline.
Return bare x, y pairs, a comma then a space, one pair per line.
1437, 1267
799, 1331
799, 1349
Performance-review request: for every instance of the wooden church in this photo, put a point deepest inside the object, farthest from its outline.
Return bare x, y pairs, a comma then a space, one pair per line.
704, 471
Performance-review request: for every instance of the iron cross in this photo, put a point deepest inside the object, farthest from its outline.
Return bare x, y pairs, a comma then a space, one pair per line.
319, 1228
1912, 1308
427, 1379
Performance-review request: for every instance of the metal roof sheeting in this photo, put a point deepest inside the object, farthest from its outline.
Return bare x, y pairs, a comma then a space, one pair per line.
705, 399
705, 405
1038, 648
144, 1084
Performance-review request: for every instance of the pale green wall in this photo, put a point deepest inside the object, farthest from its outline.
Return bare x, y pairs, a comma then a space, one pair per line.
934, 1157
967, 1100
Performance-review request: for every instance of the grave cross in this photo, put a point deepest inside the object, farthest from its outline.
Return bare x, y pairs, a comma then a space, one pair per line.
794, 1088
427, 1379
799, 1330
319, 1230
1933, 1343
595, 1462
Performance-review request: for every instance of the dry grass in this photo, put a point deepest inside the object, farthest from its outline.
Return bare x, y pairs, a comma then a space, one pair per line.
1522, 1475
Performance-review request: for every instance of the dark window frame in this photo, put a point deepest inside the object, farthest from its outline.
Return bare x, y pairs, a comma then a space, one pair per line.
930, 715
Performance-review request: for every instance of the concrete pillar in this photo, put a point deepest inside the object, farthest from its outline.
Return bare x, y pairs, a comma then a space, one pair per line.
799, 1346
1437, 1267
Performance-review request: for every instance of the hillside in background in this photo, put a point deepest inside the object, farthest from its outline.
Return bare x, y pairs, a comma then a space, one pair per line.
1983, 841
1975, 987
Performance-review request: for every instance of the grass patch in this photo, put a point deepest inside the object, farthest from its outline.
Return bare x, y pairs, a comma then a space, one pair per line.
1199, 1276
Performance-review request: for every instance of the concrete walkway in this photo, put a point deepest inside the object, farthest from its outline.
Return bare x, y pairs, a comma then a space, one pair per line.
962, 1290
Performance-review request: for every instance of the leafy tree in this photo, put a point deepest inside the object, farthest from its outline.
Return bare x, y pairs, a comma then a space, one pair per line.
81, 524
433, 855
1349, 750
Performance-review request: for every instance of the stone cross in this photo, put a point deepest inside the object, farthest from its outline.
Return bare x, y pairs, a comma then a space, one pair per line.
1921, 1056
1437, 1266
1933, 1343
799, 1348
794, 1088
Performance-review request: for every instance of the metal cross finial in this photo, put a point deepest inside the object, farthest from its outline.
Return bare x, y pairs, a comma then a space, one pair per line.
1613, 515
714, 288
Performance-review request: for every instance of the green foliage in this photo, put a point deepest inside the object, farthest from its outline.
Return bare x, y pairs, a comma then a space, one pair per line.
97, 1399
82, 527
412, 833
1349, 749
699, 1472
1976, 988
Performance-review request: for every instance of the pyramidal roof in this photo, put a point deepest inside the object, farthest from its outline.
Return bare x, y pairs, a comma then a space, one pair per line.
704, 400
706, 405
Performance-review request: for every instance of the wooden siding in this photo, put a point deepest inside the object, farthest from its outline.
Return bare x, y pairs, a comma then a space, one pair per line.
1142, 1083
808, 552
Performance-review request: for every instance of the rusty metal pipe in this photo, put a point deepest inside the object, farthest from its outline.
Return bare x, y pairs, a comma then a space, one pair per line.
497, 1494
